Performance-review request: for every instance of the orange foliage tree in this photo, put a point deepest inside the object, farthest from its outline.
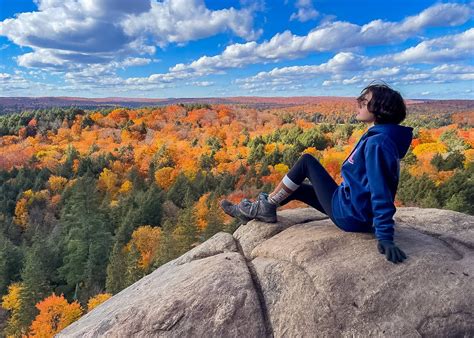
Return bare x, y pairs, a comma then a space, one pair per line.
55, 313
165, 177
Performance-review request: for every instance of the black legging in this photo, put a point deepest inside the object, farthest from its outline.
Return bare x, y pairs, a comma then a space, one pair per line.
319, 193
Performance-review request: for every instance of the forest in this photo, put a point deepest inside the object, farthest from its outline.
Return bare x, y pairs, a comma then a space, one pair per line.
93, 200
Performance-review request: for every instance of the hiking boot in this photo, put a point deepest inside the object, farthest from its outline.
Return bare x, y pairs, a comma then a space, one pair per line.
261, 209
232, 210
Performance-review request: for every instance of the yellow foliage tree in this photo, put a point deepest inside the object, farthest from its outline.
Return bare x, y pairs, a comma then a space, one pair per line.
21, 209
56, 184
281, 168
432, 147
125, 187
97, 300
11, 302
55, 313
469, 154
21, 213
332, 161
146, 240
311, 150
108, 181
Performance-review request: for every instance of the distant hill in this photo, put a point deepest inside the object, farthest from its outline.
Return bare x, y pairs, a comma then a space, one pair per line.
17, 104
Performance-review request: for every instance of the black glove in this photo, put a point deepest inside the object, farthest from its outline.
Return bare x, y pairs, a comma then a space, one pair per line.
391, 251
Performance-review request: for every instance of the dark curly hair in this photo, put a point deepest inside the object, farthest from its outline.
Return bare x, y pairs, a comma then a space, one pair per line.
386, 104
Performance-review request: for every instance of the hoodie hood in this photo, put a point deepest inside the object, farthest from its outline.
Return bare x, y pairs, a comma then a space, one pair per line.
400, 135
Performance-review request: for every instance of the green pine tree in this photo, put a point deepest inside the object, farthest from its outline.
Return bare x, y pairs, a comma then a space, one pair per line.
116, 271
36, 276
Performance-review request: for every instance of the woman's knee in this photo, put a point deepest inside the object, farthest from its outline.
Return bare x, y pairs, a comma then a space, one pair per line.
308, 158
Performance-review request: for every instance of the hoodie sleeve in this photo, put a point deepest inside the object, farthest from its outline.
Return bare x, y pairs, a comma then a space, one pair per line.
381, 162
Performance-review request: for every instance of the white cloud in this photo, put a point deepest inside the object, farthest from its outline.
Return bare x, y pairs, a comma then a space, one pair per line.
334, 36
185, 20
346, 68
447, 48
305, 11
202, 83
70, 34
13, 83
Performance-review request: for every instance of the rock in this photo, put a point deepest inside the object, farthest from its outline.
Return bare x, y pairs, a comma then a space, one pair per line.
304, 277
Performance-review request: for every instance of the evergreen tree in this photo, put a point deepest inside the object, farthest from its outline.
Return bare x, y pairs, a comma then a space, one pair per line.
116, 270
65, 169
290, 156
178, 190
256, 154
87, 240
41, 178
213, 219
314, 138
36, 277
10, 263
412, 190
133, 271
185, 234
457, 192
167, 250
136, 178
454, 160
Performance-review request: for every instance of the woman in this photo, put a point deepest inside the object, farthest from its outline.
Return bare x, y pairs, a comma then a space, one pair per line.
364, 201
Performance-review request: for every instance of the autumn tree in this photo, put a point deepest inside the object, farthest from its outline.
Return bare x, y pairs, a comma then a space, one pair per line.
146, 240
11, 303
97, 300
55, 313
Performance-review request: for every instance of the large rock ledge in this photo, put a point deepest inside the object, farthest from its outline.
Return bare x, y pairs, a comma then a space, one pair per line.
304, 277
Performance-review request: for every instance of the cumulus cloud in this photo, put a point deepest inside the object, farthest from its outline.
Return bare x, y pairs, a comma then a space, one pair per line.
447, 48
305, 11
12, 84
334, 36
70, 33
185, 20
347, 68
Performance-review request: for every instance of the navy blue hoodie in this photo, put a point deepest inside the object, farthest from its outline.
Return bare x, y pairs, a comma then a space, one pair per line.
366, 196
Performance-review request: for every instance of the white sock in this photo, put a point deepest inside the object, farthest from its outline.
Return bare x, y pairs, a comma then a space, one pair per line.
282, 194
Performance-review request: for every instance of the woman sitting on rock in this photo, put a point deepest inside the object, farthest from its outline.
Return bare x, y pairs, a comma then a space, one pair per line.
364, 201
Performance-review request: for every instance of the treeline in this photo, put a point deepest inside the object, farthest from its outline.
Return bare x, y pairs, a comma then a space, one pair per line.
46, 119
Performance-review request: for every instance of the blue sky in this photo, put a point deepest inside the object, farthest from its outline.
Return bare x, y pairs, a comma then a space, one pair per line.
218, 48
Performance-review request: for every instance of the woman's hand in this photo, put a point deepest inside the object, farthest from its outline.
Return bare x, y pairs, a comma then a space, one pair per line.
391, 251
